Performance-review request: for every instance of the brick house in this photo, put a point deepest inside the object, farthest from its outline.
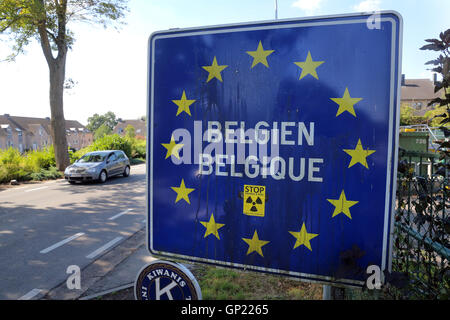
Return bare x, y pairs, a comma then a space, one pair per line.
140, 128
417, 93
26, 133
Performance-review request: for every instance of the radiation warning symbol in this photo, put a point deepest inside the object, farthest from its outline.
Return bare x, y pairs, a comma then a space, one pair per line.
254, 200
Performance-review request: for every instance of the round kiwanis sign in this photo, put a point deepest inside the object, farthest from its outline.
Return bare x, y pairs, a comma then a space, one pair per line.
164, 280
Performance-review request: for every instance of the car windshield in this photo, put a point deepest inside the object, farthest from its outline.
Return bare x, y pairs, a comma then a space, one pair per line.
92, 157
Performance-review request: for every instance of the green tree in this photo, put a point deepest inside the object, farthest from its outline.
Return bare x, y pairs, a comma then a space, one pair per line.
102, 131
96, 121
47, 21
130, 132
408, 118
441, 66
434, 115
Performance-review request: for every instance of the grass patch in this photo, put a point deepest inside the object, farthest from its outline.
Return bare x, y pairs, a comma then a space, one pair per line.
228, 284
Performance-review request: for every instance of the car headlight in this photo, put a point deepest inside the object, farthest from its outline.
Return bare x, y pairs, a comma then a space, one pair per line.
92, 170
67, 170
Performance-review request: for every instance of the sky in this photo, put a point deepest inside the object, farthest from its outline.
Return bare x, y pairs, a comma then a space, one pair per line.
109, 66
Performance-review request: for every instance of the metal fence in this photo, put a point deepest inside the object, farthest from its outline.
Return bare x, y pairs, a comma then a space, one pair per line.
421, 250
420, 266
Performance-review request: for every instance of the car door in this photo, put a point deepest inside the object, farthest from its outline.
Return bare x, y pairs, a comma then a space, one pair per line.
121, 163
111, 165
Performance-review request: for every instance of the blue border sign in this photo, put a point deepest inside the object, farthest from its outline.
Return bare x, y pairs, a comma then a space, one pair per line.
272, 146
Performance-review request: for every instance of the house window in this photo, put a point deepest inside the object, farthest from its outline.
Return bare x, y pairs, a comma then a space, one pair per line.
417, 105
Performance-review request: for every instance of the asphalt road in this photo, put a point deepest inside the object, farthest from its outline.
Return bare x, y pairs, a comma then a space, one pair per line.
47, 227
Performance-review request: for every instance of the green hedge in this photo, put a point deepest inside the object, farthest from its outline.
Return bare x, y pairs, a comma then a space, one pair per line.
133, 148
33, 165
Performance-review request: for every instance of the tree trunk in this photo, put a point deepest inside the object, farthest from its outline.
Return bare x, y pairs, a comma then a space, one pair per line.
58, 123
57, 70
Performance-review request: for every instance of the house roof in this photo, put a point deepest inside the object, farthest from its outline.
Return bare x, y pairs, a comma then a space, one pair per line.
27, 123
419, 89
7, 123
137, 124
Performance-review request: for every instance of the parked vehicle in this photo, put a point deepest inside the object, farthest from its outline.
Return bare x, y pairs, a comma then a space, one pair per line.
98, 166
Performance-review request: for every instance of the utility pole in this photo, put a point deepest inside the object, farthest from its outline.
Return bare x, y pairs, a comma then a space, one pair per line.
276, 9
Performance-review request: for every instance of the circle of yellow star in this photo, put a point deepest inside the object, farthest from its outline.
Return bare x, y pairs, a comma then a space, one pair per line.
359, 155
212, 227
342, 205
302, 237
183, 104
173, 149
309, 67
182, 192
346, 103
254, 244
214, 70
260, 55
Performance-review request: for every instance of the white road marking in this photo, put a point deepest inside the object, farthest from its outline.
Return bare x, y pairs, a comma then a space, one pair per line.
120, 214
31, 294
35, 189
103, 248
59, 244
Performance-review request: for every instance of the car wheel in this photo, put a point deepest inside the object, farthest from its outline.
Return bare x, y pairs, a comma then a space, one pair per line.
126, 172
103, 176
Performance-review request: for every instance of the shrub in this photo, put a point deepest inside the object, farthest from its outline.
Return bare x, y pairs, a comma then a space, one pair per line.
138, 147
36, 165
46, 174
112, 142
108, 142
41, 159
13, 166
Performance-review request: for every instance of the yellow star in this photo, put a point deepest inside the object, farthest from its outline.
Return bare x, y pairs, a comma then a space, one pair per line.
214, 70
254, 244
342, 205
303, 237
260, 55
212, 227
346, 103
183, 104
309, 67
173, 149
359, 155
182, 192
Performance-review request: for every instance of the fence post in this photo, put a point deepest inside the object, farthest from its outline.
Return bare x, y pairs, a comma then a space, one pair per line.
333, 293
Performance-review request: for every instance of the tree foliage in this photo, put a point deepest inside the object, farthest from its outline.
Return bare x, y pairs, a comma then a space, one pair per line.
407, 117
46, 20
102, 131
96, 121
441, 66
130, 132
